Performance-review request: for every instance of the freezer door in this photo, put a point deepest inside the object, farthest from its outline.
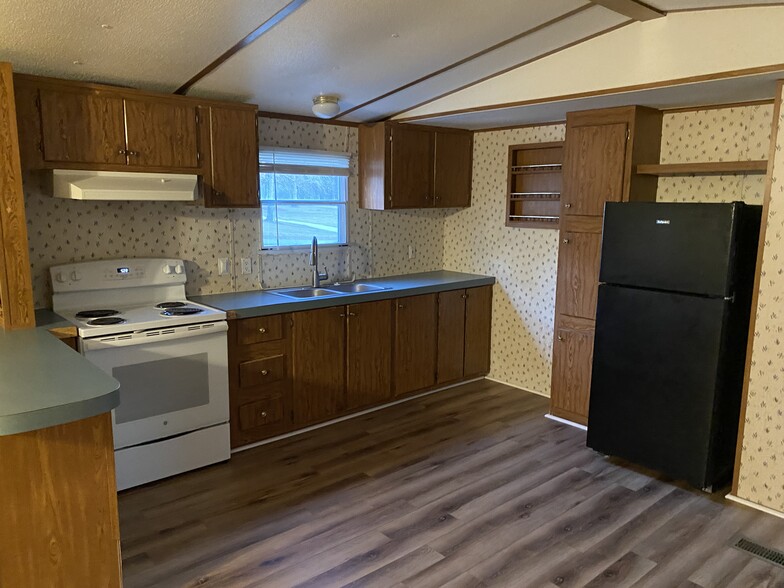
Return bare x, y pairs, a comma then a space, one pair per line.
654, 379
677, 247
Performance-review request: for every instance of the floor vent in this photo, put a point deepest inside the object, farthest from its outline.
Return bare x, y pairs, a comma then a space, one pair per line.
769, 555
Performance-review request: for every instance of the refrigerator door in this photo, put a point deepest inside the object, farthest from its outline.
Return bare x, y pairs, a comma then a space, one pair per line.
677, 247
654, 379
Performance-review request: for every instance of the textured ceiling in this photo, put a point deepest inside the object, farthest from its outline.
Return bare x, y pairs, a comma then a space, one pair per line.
153, 44
381, 52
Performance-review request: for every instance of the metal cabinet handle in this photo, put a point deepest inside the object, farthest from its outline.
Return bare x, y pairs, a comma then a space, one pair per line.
567, 205
264, 372
464, 296
122, 152
133, 153
352, 314
401, 305
342, 315
566, 241
560, 337
264, 413
263, 330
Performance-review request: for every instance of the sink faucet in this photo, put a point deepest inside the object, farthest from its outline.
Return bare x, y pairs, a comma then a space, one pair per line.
317, 276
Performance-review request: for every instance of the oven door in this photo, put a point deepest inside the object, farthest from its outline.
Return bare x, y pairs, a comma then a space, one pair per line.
172, 380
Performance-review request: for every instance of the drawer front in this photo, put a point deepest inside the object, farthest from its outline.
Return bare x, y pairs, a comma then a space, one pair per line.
264, 412
258, 372
258, 330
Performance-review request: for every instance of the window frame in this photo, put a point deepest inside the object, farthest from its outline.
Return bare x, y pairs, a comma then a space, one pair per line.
341, 171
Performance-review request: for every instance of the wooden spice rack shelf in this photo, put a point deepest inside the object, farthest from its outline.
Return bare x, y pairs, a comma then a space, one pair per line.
533, 196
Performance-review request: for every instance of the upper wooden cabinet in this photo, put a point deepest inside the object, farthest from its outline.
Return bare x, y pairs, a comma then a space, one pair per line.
80, 126
601, 153
414, 166
72, 125
233, 175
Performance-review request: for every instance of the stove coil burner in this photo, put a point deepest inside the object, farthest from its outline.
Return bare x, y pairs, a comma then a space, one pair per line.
91, 314
170, 305
104, 321
181, 311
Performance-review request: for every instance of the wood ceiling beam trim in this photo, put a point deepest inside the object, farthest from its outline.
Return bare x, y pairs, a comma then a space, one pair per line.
499, 73
465, 60
779, 67
635, 10
304, 118
244, 42
725, 7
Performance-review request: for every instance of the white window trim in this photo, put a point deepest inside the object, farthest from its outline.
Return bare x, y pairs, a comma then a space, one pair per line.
289, 168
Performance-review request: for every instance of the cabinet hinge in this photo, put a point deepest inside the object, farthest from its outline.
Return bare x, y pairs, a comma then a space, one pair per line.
197, 118
628, 134
198, 156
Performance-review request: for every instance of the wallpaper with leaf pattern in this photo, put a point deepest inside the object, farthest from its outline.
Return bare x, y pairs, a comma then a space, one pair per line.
761, 476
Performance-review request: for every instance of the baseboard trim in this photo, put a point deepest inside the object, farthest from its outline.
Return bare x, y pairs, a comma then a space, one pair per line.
518, 387
565, 422
350, 416
754, 505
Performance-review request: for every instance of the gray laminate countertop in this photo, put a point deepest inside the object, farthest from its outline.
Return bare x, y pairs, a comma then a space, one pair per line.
43, 382
266, 302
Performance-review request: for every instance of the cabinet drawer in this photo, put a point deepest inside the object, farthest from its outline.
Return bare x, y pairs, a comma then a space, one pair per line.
257, 330
261, 413
258, 372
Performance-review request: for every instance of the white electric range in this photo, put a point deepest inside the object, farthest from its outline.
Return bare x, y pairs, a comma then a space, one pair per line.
169, 355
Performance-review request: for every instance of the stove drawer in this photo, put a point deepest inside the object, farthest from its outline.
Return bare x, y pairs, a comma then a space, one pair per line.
261, 413
258, 330
258, 372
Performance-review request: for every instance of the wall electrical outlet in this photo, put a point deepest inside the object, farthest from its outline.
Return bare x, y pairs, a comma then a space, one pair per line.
223, 266
246, 265
411, 252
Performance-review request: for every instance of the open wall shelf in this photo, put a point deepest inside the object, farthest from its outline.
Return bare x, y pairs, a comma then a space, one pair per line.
533, 196
704, 168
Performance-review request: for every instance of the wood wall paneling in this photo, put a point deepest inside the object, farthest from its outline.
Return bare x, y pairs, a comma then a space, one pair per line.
59, 498
16, 289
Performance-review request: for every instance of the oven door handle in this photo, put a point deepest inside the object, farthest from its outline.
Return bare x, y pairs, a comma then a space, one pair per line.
154, 336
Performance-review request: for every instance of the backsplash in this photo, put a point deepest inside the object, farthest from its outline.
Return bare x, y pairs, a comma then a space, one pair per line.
64, 231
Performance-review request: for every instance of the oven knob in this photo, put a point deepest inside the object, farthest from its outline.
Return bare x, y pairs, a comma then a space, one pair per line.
76, 276
61, 277
179, 269
167, 269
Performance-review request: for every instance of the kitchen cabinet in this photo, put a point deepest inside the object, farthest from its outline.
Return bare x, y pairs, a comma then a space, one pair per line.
416, 324
319, 362
233, 175
414, 166
260, 379
289, 371
464, 324
74, 125
368, 354
601, 153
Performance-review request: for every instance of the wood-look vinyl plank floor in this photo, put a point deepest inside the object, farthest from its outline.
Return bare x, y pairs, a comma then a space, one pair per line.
466, 488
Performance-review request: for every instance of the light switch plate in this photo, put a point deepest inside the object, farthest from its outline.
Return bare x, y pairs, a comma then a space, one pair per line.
411, 252
246, 265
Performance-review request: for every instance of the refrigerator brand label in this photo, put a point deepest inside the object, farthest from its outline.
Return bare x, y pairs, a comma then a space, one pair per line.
662, 221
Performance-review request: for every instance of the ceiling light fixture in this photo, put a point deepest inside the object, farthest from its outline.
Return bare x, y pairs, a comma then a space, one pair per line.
325, 106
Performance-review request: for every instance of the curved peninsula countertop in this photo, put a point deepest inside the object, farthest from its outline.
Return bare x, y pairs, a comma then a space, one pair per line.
46, 383
265, 302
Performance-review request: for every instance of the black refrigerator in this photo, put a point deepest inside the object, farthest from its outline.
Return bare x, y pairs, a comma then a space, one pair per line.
672, 318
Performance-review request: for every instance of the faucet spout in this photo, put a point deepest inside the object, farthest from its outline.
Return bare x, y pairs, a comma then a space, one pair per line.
317, 276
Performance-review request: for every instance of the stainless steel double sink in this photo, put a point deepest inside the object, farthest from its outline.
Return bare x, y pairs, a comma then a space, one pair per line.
333, 290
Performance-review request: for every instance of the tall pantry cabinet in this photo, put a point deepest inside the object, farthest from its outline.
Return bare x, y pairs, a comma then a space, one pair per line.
601, 154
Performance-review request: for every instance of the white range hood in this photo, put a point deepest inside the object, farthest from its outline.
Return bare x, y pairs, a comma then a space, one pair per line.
103, 185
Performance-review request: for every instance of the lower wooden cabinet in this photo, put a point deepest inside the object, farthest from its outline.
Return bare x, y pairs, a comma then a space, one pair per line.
292, 370
416, 323
572, 363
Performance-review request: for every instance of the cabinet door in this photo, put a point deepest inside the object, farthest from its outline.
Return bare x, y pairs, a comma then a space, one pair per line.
411, 168
451, 335
319, 364
578, 273
415, 343
161, 134
234, 173
572, 362
82, 126
369, 354
594, 162
453, 160
478, 323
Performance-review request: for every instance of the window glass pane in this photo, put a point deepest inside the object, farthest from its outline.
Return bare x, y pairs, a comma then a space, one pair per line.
302, 187
290, 224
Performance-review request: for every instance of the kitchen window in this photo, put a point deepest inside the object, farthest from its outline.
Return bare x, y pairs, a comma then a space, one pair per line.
304, 193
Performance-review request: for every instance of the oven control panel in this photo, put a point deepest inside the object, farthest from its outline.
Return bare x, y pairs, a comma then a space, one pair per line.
114, 273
